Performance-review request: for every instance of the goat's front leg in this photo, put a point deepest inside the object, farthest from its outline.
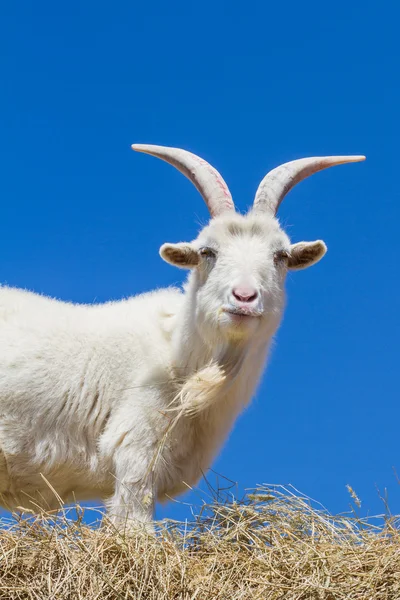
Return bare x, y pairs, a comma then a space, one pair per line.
132, 505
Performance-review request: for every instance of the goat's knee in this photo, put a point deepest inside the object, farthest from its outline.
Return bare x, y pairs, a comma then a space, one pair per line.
131, 507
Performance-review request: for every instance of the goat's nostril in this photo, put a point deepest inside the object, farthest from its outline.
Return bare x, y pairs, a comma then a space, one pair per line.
245, 294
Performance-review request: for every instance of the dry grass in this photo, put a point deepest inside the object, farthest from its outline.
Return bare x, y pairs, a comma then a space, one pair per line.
275, 544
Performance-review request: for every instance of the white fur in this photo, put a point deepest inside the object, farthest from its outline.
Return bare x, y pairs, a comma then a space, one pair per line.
130, 401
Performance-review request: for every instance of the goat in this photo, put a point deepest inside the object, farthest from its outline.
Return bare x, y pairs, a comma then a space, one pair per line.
130, 401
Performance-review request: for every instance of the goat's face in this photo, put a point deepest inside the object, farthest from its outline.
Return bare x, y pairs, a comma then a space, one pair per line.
239, 267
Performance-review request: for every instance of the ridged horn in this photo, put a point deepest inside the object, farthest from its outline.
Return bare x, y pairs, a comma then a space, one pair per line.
207, 180
278, 182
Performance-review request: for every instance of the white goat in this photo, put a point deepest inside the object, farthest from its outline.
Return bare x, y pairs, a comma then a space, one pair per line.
129, 401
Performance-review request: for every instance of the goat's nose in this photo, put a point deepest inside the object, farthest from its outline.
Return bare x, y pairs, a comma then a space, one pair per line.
244, 294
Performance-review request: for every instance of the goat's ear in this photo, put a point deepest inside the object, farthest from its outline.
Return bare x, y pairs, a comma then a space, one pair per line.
305, 254
181, 255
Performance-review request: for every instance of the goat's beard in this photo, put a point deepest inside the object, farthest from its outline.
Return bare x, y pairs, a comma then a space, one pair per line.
204, 388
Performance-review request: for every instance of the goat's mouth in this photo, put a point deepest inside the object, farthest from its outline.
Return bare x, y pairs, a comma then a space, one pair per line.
241, 312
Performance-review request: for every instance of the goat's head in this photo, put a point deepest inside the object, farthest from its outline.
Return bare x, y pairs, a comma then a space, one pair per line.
239, 262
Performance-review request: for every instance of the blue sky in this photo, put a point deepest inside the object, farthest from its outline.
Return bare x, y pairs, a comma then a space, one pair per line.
247, 86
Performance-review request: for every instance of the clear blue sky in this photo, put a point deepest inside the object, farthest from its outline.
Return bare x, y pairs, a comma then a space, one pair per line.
247, 86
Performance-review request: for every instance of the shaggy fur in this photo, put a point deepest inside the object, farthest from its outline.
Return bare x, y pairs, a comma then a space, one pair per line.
130, 401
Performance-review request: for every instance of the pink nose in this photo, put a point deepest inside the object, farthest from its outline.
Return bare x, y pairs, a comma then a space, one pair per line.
245, 294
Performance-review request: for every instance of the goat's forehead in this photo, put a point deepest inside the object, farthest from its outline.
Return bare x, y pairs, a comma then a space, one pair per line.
228, 228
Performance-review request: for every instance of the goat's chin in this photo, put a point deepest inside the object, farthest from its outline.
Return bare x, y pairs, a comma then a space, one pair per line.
237, 328
221, 327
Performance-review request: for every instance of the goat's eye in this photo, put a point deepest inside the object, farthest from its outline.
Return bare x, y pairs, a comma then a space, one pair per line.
281, 256
208, 252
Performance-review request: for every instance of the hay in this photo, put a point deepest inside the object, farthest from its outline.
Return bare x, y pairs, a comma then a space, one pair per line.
276, 544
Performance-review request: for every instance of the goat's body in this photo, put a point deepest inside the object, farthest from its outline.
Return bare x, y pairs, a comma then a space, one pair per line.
130, 401
88, 398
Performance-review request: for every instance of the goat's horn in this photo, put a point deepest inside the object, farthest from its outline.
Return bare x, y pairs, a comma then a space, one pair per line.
206, 179
278, 182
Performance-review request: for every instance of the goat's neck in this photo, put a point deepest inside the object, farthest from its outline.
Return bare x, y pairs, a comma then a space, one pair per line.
212, 396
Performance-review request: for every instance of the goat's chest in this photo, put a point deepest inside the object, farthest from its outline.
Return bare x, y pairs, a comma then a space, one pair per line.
191, 449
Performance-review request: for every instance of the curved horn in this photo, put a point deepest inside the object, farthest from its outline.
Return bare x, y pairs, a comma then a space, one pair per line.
206, 179
278, 182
